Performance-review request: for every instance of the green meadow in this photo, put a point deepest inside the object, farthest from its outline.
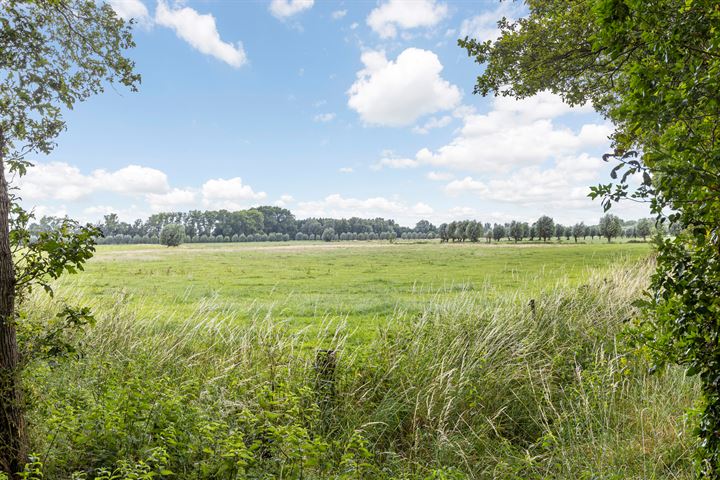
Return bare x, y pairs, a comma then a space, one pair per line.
356, 360
358, 282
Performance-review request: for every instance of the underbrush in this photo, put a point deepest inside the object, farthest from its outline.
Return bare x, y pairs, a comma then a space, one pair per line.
470, 388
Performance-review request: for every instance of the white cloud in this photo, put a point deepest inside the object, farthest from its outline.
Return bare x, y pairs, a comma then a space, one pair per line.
324, 117
284, 200
432, 123
439, 176
173, 200
127, 9
61, 181
287, 8
337, 206
230, 194
515, 134
338, 14
200, 31
565, 184
484, 27
390, 160
396, 93
345, 170
392, 15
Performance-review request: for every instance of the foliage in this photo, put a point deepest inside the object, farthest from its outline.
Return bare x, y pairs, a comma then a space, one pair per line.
545, 226
653, 69
328, 235
172, 235
610, 226
53, 54
469, 386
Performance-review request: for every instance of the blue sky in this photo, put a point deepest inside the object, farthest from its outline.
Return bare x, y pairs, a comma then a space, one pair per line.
326, 108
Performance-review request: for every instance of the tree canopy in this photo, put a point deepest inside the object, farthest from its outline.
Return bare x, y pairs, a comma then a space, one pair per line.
653, 69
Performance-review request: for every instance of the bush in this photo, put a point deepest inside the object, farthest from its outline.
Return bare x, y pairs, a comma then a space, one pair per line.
328, 234
172, 235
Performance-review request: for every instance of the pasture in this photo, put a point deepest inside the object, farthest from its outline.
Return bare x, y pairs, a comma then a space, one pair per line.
203, 363
308, 282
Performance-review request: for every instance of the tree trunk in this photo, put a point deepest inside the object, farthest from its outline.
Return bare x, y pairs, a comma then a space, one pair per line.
13, 435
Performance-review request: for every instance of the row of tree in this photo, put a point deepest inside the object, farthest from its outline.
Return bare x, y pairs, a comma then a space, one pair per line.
275, 224
545, 228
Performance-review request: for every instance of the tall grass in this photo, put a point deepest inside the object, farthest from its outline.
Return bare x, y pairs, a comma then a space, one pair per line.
469, 388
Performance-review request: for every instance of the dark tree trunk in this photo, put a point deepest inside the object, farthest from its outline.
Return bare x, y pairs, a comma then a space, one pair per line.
13, 435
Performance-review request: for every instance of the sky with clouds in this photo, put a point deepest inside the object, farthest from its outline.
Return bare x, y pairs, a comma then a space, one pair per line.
355, 108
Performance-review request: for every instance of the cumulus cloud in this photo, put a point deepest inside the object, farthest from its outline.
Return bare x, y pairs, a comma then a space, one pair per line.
565, 184
386, 19
283, 9
200, 31
515, 134
324, 117
173, 200
129, 9
61, 181
230, 194
337, 206
396, 93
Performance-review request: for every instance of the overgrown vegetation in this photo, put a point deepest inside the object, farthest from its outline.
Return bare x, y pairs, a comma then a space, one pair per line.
653, 69
468, 388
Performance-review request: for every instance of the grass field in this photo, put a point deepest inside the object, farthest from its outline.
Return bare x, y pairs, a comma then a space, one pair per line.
198, 365
361, 282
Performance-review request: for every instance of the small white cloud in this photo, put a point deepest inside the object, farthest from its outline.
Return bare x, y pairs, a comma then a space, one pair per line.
130, 9
346, 170
354, 25
283, 9
230, 194
324, 117
392, 15
432, 123
396, 93
200, 31
389, 160
439, 176
338, 14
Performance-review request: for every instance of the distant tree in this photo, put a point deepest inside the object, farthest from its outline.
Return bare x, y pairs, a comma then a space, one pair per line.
559, 231
498, 231
443, 232
328, 234
578, 230
545, 227
423, 226
610, 226
172, 235
516, 231
643, 228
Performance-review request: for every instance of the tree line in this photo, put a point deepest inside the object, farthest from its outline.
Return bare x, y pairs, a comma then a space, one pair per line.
276, 224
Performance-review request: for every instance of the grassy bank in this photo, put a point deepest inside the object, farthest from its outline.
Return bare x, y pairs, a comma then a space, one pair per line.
466, 387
